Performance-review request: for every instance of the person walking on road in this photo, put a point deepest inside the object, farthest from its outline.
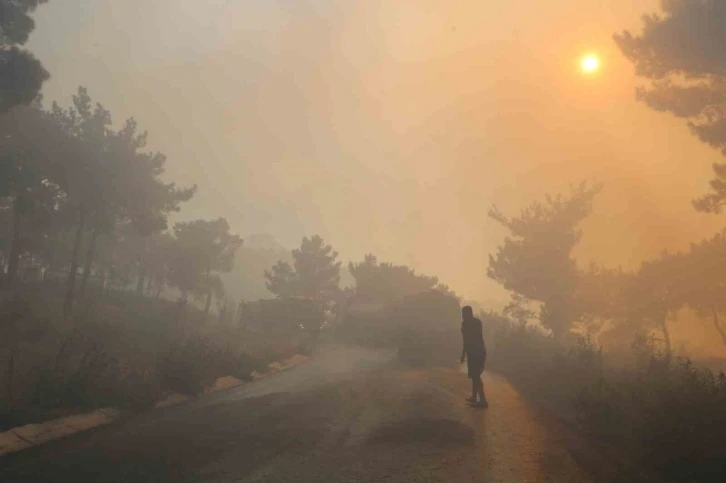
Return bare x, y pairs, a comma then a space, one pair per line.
475, 354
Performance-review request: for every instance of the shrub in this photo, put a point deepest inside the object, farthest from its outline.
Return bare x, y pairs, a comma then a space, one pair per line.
367, 329
87, 379
423, 327
191, 365
305, 349
669, 414
141, 390
664, 414
245, 365
119, 350
429, 332
283, 314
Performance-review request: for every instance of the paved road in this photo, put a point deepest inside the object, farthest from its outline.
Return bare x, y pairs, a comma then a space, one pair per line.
348, 415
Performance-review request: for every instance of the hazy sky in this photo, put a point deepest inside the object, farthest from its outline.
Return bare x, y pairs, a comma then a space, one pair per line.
390, 126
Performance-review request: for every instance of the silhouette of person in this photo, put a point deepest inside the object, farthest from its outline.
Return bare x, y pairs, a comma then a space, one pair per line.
475, 354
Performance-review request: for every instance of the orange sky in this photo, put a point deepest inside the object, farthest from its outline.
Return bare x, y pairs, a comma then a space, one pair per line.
391, 127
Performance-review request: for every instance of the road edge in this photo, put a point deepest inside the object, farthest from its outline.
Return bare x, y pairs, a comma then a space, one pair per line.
32, 435
601, 460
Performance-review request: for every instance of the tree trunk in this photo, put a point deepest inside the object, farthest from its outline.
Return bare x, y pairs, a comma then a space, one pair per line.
721, 329
71, 283
88, 262
53, 253
209, 291
142, 270
222, 313
181, 305
666, 337
104, 284
14, 260
241, 313
9, 378
208, 305
140, 281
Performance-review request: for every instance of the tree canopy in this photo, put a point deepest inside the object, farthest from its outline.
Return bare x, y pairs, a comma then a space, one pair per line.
314, 275
202, 249
21, 74
384, 282
681, 54
536, 260
701, 280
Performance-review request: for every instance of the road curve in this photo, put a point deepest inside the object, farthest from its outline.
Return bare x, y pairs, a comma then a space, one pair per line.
348, 415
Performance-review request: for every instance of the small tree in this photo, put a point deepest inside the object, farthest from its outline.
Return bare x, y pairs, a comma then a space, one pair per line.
34, 200
201, 248
132, 191
145, 199
655, 294
31, 146
210, 287
85, 175
282, 280
600, 296
160, 249
536, 261
702, 280
315, 275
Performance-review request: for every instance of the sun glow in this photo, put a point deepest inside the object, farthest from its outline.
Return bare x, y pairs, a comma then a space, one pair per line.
590, 63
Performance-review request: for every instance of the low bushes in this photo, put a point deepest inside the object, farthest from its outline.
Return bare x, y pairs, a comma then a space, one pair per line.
669, 414
422, 327
370, 328
190, 366
663, 414
80, 376
126, 356
194, 364
429, 328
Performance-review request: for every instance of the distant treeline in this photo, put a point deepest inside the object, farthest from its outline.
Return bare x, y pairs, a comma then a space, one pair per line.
535, 263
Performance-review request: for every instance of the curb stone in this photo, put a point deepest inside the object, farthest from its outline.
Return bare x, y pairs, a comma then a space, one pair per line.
31, 435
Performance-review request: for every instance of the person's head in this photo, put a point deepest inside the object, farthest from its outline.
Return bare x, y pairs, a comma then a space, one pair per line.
467, 312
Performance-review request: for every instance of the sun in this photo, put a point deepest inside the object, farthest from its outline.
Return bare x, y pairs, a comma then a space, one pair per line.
590, 63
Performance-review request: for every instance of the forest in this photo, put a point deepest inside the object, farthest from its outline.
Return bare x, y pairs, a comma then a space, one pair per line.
104, 301
112, 297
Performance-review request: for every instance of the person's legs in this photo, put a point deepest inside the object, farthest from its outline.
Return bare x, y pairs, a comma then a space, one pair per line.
480, 390
473, 370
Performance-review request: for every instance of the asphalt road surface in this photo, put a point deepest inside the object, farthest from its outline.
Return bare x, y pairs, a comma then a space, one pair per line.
348, 415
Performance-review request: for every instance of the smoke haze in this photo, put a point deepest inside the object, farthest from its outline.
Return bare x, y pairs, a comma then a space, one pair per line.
391, 127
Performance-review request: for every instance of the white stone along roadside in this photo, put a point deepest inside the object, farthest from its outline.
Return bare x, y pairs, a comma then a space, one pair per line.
24, 437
